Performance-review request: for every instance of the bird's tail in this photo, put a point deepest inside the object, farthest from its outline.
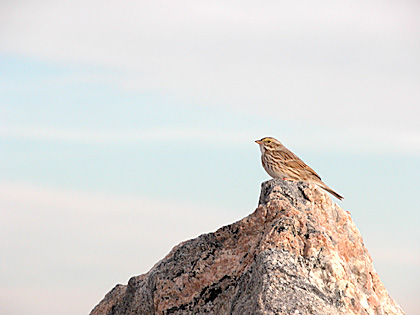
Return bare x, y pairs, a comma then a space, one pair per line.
332, 192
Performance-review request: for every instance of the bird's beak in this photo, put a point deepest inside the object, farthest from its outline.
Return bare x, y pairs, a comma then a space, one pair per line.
258, 141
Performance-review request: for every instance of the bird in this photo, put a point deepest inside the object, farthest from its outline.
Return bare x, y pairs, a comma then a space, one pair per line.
279, 162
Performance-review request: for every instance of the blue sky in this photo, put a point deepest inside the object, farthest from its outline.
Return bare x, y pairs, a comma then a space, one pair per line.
130, 129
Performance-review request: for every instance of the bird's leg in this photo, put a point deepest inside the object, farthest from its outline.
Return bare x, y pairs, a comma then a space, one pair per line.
288, 178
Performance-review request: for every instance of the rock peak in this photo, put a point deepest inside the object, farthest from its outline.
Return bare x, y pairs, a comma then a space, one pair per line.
297, 253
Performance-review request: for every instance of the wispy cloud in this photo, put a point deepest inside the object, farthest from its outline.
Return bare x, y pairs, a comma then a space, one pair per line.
397, 256
14, 300
339, 77
74, 135
353, 64
86, 241
20, 195
367, 140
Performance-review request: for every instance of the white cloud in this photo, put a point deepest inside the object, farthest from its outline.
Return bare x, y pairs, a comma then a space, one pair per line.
345, 64
16, 300
355, 140
344, 76
84, 208
180, 133
403, 257
53, 238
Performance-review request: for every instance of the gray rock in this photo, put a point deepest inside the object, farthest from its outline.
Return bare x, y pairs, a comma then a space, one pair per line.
297, 253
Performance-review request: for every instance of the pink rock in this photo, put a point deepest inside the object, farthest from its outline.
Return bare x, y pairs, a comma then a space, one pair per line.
297, 253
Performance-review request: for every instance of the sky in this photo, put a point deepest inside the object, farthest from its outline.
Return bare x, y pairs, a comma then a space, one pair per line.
126, 128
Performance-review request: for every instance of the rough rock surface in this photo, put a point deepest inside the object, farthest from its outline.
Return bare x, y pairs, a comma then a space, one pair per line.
297, 253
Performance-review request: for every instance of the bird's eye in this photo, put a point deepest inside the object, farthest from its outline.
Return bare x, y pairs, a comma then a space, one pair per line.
268, 141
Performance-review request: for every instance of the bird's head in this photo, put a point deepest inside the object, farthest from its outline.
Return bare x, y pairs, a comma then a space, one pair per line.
268, 144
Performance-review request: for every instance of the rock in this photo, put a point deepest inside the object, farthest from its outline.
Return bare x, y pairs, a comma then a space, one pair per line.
297, 253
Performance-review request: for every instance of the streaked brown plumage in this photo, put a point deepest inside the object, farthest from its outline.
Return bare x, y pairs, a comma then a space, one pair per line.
280, 162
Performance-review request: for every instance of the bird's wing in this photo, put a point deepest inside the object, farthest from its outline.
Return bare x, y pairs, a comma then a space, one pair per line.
291, 160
